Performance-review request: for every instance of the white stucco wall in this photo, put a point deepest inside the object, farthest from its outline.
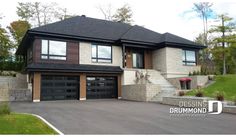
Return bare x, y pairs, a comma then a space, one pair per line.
169, 61
85, 53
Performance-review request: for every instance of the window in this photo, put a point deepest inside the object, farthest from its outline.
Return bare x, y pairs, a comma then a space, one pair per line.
189, 57
137, 59
101, 53
53, 50
30, 54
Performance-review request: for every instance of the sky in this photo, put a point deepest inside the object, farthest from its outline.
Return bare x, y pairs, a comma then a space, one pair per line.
162, 16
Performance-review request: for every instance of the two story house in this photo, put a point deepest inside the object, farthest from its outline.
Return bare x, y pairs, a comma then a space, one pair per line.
85, 58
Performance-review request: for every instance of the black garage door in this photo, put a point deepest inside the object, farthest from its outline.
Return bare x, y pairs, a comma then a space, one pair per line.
101, 87
59, 87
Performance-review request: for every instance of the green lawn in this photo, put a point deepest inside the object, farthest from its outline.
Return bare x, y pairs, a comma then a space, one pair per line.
226, 84
23, 124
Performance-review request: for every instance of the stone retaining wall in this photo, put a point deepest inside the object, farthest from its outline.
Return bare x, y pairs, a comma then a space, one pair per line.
4, 96
229, 109
20, 95
14, 88
140, 92
176, 99
196, 81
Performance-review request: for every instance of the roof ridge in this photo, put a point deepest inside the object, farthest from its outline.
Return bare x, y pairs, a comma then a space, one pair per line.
127, 31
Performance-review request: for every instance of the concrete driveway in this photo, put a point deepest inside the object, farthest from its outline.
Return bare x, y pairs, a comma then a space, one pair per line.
124, 117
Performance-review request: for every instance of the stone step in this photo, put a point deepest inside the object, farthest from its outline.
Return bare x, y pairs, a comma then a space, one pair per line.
167, 89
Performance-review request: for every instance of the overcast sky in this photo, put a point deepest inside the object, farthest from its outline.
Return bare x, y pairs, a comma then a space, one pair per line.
158, 15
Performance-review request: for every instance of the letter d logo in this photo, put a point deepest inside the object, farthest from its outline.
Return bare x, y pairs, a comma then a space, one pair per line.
211, 106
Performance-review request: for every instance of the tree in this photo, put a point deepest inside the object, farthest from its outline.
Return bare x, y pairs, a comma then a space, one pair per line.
204, 11
62, 14
5, 44
18, 30
123, 14
224, 29
107, 12
205, 60
38, 14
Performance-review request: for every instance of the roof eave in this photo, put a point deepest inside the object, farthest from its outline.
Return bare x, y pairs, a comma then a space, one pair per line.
183, 45
137, 42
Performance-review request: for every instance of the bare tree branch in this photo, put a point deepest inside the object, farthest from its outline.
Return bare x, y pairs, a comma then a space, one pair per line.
106, 11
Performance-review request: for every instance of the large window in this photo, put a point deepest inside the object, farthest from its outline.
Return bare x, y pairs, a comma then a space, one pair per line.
53, 50
101, 54
189, 57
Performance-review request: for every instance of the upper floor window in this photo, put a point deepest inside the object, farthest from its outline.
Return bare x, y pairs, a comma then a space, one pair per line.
53, 50
101, 53
30, 54
189, 57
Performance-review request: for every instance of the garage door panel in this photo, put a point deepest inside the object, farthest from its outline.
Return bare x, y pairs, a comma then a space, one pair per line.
101, 87
59, 87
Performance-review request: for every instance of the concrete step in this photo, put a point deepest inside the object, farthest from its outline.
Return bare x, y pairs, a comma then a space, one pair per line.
167, 89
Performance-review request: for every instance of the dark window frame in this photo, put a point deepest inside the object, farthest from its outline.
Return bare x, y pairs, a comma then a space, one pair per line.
185, 61
138, 52
98, 58
48, 52
30, 54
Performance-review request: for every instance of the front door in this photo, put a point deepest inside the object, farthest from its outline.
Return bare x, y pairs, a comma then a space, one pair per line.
137, 59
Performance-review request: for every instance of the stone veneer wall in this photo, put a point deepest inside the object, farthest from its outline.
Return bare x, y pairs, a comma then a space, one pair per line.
159, 60
140, 92
196, 81
169, 62
85, 53
128, 76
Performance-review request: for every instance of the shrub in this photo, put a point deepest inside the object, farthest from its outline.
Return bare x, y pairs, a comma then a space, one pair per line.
181, 93
198, 73
11, 65
194, 73
7, 73
220, 96
190, 74
5, 109
199, 92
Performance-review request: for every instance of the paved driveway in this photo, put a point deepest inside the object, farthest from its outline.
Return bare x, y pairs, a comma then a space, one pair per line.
124, 117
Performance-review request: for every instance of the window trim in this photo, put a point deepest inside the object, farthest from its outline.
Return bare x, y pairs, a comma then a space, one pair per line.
185, 61
49, 55
97, 58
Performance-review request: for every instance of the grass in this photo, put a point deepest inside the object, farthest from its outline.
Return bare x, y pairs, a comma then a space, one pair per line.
224, 83
23, 124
